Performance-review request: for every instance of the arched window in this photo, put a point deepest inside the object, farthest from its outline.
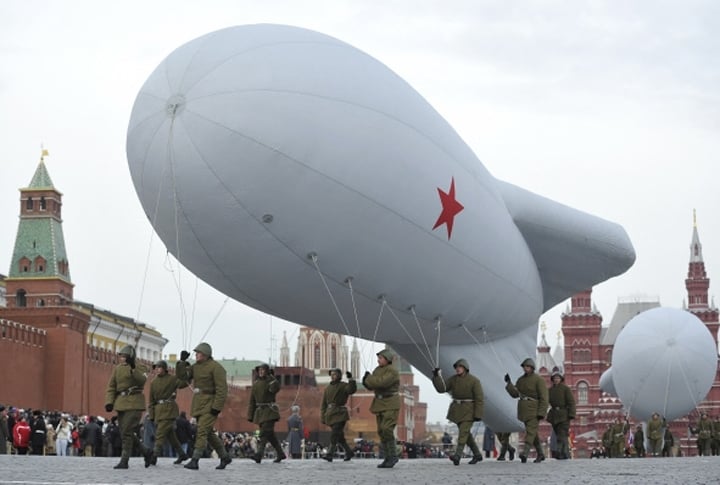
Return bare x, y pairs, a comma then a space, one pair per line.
582, 390
29, 204
316, 355
333, 356
20, 300
43, 204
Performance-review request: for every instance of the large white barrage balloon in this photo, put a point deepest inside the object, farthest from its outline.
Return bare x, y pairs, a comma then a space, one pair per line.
663, 361
302, 177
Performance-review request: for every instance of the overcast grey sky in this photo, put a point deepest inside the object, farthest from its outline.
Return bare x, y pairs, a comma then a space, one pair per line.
609, 107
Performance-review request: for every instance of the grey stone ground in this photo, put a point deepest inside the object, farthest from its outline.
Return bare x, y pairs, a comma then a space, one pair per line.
39, 470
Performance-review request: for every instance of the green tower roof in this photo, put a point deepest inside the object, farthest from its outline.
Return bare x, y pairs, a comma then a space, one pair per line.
41, 179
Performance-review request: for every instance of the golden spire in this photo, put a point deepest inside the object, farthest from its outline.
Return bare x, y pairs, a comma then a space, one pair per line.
694, 218
43, 153
543, 326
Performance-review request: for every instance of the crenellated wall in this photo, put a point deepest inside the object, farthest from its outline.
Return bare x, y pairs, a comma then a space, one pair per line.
22, 350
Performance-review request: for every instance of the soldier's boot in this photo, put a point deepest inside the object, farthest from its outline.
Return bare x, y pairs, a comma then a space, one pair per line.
279, 453
192, 464
328, 456
258, 456
385, 455
392, 452
540, 457
349, 453
224, 461
123, 463
181, 458
475, 459
512, 452
148, 456
153, 457
503, 451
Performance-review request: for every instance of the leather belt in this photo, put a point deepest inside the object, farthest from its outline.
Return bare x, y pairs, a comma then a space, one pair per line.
460, 401
266, 404
165, 401
201, 391
130, 392
331, 405
527, 398
385, 396
294, 429
558, 408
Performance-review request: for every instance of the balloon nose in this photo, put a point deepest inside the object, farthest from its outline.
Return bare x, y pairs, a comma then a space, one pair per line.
175, 105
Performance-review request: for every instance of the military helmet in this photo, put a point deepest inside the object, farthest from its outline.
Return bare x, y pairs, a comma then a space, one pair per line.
338, 371
262, 366
463, 363
387, 354
204, 348
128, 350
557, 372
529, 362
161, 363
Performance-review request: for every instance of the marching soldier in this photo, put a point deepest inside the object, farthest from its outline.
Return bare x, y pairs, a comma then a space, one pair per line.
655, 434
385, 382
704, 431
209, 394
619, 430
263, 411
562, 410
466, 406
334, 413
163, 410
532, 393
505, 446
124, 394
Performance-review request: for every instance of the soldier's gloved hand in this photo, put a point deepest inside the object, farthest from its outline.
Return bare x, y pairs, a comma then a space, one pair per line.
184, 355
109, 408
436, 371
131, 362
507, 378
214, 412
271, 371
477, 419
540, 418
250, 420
348, 374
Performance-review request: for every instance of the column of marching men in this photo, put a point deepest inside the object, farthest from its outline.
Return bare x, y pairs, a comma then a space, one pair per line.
169, 432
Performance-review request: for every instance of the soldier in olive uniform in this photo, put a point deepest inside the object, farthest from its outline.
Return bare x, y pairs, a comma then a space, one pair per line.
162, 410
209, 394
562, 410
532, 392
619, 430
263, 411
655, 434
715, 445
505, 446
334, 413
466, 406
607, 441
385, 382
704, 431
124, 394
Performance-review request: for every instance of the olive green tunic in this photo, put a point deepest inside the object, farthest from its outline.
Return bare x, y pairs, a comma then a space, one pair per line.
385, 382
162, 404
125, 388
533, 394
262, 407
467, 394
209, 385
562, 404
335, 397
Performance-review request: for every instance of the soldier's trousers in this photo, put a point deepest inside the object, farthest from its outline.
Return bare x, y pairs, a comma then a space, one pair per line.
267, 435
206, 434
129, 423
531, 437
466, 437
165, 430
655, 446
386, 422
562, 431
337, 437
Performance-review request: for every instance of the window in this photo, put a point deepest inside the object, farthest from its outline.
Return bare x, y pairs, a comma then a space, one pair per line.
43, 204
29, 204
316, 355
20, 299
582, 390
333, 356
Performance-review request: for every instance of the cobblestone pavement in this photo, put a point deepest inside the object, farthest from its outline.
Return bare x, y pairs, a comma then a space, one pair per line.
39, 470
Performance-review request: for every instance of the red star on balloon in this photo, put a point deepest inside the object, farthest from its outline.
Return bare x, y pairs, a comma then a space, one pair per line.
450, 208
